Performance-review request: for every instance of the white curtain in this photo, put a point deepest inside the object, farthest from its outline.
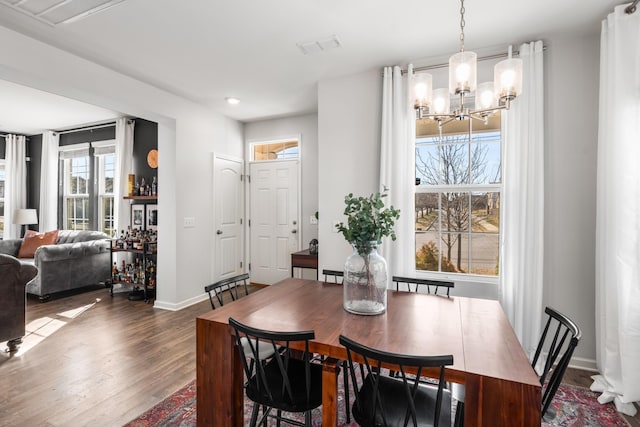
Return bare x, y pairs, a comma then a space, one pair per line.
49, 182
618, 213
124, 166
521, 249
397, 165
15, 195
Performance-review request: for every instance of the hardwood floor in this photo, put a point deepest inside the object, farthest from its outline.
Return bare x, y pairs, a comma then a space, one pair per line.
90, 359
99, 360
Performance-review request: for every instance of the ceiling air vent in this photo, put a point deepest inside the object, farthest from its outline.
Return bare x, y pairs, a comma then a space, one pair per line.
57, 12
328, 43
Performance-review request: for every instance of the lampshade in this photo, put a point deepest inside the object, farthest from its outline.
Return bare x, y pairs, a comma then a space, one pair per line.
25, 216
485, 97
462, 72
423, 90
507, 77
441, 101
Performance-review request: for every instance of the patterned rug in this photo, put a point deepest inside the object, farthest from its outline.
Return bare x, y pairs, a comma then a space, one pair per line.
574, 406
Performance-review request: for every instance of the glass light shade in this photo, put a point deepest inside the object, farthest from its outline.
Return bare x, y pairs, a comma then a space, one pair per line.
485, 97
462, 72
423, 90
507, 78
441, 101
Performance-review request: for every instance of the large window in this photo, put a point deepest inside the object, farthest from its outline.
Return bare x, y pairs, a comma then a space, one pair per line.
88, 172
2, 183
457, 198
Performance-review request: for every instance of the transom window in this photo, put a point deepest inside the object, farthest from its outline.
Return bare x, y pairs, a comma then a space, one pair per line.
275, 150
457, 198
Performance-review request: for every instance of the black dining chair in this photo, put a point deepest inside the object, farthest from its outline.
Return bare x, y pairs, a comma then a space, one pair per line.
432, 286
559, 338
288, 381
337, 276
402, 400
230, 284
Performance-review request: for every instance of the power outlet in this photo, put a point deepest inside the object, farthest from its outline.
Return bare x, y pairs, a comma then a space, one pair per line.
189, 222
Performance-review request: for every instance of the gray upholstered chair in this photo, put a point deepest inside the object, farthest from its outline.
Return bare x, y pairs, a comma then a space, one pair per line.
15, 275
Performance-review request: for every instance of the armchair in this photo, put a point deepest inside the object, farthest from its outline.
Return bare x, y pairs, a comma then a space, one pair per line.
15, 276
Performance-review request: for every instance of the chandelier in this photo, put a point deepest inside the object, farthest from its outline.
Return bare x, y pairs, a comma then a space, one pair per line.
489, 96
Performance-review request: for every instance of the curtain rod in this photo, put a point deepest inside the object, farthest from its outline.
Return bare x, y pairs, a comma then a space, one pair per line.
104, 125
631, 8
2, 135
482, 58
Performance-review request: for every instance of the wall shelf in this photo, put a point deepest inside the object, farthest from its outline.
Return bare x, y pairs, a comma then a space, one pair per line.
150, 198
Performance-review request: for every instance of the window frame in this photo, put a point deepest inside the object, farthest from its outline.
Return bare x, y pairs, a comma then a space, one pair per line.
95, 153
471, 189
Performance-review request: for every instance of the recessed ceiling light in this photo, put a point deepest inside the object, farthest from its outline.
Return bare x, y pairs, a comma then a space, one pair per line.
232, 101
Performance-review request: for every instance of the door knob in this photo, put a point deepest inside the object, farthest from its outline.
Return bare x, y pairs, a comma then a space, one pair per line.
219, 232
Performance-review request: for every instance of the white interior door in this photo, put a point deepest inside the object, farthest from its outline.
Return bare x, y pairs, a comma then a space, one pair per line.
274, 225
228, 195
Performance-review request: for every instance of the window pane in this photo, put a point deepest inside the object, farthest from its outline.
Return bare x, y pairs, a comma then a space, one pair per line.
427, 253
78, 214
109, 172
485, 160
455, 211
454, 160
485, 212
485, 254
426, 212
455, 252
107, 216
427, 161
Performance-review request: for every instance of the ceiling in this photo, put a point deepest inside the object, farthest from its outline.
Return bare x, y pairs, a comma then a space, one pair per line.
207, 50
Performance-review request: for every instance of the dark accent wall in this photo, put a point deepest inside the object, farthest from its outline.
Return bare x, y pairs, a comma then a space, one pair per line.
145, 137
34, 148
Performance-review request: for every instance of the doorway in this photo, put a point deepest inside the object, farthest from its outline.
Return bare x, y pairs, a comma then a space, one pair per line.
228, 193
274, 225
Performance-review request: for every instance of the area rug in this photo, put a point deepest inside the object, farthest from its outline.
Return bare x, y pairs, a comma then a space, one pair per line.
574, 406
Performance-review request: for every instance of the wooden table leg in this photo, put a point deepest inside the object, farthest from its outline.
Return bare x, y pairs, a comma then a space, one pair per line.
220, 394
330, 369
496, 402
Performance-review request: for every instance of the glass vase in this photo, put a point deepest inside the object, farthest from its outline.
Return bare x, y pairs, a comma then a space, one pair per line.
365, 281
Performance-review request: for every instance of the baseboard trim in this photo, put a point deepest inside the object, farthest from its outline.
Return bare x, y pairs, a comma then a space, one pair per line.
584, 364
179, 306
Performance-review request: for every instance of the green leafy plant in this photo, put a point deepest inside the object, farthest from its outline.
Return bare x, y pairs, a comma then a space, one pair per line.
368, 221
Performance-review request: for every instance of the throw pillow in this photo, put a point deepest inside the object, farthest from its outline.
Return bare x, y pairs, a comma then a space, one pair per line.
33, 240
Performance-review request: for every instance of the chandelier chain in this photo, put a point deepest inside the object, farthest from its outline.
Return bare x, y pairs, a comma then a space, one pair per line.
462, 23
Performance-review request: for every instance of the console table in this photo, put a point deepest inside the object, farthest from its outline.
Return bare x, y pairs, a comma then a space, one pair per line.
304, 259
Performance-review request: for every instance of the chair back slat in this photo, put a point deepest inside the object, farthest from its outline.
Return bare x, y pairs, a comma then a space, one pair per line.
336, 275
230, 284
559, 339
436, 287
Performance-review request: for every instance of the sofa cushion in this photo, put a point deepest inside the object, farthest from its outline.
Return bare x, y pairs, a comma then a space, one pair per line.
33, 240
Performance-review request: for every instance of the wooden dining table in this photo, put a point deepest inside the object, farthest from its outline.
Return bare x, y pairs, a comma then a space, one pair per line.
501, 387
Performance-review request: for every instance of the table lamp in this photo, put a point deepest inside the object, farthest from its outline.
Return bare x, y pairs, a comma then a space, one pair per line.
25, 217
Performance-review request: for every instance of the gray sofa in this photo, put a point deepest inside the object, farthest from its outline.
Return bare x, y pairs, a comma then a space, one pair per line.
78, 259
15, 276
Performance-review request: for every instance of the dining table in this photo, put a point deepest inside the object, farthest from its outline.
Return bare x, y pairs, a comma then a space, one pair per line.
501, 387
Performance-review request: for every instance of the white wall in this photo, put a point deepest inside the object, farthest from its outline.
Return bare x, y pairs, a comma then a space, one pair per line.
571, 116
349, 112
348, 128
188, 134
